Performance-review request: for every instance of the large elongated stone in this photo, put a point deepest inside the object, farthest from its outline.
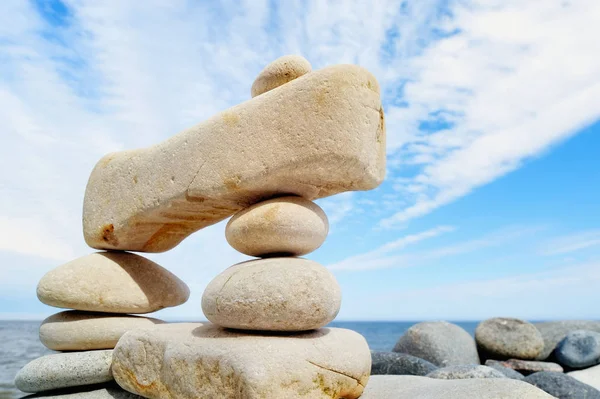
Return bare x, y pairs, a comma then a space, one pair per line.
192, 360
320, 134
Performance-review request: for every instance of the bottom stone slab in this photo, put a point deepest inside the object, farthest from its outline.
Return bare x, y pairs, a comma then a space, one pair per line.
192, 360
108, 390
415, 387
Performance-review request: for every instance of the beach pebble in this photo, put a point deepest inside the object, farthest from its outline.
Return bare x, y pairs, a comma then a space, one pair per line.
439, 342
282, 70
590, 376
508, 372
275, 294
75, 330
562, 386
117, 282
526, 367
109, 390
415, 387
399, 364
65, 370
465, 371
579, 349
555, 331
504, 338
285, 226
191, 360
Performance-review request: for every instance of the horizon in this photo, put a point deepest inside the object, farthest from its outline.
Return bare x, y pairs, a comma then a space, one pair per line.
490, 203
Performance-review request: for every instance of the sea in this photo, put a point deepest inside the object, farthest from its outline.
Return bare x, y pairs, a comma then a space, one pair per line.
19, 344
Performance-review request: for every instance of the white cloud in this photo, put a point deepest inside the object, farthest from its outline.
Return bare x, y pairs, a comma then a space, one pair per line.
118, 75
518, 78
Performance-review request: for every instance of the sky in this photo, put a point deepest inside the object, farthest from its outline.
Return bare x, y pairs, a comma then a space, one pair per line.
490, 203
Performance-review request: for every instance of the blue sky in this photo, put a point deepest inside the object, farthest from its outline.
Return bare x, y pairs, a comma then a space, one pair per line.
489, 207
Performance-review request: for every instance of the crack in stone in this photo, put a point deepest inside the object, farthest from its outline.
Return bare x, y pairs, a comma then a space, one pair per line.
187, 189
335, 371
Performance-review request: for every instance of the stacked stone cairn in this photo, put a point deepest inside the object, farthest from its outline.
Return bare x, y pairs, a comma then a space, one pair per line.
304, 135
103, 289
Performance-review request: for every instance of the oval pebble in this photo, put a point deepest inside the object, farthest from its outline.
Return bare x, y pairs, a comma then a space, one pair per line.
281, 71
276, 294
65, 370
579, 349
505, 338
114, 282
285, 226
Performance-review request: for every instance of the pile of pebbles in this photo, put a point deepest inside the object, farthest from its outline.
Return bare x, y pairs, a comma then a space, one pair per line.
561, 358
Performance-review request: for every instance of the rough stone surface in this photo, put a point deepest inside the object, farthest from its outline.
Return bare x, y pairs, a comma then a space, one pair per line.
117, 282
590, 376
65, 370
318, 135
439, 342
465, 371
275, 294
562, 386
579, 349
504, 338
281, 71
108, 390
191, 360
555, 331
414, 387
508, 372
399, 364
75, 330
526, 366
286, 226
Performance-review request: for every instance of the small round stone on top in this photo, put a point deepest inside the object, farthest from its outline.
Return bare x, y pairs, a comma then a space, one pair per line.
281, 71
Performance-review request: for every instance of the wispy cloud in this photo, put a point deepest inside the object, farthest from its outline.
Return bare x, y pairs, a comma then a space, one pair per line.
378, 258
385, 256
527, 295
571, 243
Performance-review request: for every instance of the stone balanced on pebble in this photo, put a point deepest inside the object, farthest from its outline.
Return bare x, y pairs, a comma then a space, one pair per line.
304, 135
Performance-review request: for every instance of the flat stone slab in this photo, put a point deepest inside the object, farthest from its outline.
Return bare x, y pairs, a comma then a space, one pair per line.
191, 360
275, 294
393, 363
109, 390
590, 376
465, 371
526, 367
64, 370
415, 387
116, 282
562, 386
318, 135
75, 330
